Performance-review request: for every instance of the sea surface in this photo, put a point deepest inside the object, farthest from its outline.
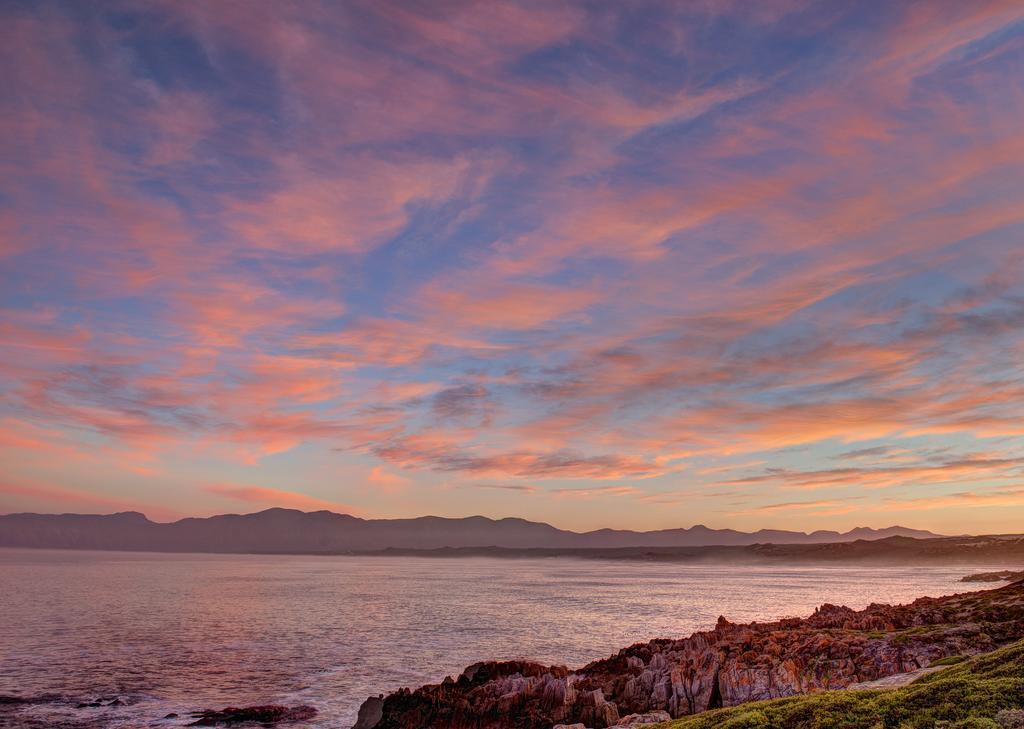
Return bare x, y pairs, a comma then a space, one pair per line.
178, 633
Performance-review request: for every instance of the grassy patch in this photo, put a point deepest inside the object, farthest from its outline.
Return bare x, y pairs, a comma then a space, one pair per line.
968, 695
949, 661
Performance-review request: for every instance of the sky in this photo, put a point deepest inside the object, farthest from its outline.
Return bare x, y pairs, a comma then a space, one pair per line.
642, 265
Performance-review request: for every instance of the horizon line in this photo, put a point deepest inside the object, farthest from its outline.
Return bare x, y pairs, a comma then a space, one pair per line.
495, 520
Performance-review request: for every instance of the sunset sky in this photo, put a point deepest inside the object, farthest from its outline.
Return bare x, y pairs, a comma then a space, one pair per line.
633, 264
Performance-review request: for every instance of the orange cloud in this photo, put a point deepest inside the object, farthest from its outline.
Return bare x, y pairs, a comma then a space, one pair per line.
429, 238
275, 497
962, 469
387, 482
1003, 497
508, 306
33, 494
587, 492
821, 507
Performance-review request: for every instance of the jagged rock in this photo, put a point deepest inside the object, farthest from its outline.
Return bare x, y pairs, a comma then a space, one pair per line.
371, 710
732, 664
270, 714
639, 720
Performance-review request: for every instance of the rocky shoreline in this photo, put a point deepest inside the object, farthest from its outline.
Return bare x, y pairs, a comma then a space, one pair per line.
834, 648
266, 715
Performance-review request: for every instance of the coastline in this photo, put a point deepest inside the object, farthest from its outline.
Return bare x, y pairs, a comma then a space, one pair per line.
835, 648
997, 551
580, 613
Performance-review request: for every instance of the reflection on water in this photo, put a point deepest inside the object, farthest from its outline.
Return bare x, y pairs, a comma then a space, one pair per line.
175, 633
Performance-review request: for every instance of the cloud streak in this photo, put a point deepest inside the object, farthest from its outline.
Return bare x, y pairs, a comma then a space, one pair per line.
264, 496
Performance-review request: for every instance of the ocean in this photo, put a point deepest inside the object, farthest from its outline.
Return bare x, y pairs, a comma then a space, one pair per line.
176, 633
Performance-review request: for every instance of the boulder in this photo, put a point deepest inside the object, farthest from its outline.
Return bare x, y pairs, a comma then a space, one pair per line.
370, 712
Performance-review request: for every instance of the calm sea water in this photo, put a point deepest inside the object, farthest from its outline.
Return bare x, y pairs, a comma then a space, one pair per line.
177, 633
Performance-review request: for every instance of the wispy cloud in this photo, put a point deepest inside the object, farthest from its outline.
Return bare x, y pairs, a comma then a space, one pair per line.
554, 246
962, 469
28, 496
819, 507
515, 487
586, 492
961, 499
269, 497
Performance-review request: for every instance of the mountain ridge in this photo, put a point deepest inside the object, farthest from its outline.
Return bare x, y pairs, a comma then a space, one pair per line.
291, 531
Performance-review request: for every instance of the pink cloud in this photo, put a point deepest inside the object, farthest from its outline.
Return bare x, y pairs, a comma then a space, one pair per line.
964, 499
350, 212
46, 497
503, 306
275, 497
453, 264
386, 481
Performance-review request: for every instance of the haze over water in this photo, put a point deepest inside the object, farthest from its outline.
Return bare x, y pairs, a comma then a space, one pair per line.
176, 633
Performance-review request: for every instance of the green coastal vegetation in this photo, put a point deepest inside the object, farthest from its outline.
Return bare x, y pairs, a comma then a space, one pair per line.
983, 692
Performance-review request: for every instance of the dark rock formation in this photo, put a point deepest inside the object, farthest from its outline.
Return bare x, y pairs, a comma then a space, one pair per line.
15, 711
6, 700
101, 701
732, 664
370, 713
1000, 576
633, 721
271, 714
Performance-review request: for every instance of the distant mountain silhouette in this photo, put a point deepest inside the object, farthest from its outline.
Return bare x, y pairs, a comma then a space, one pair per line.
287, 531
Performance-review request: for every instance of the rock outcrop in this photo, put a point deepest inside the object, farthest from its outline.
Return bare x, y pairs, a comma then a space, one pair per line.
370, 713
265, 715
731, 664
633, 721
999, 576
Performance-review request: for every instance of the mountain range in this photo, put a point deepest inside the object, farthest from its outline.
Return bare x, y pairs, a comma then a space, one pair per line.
287, 531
